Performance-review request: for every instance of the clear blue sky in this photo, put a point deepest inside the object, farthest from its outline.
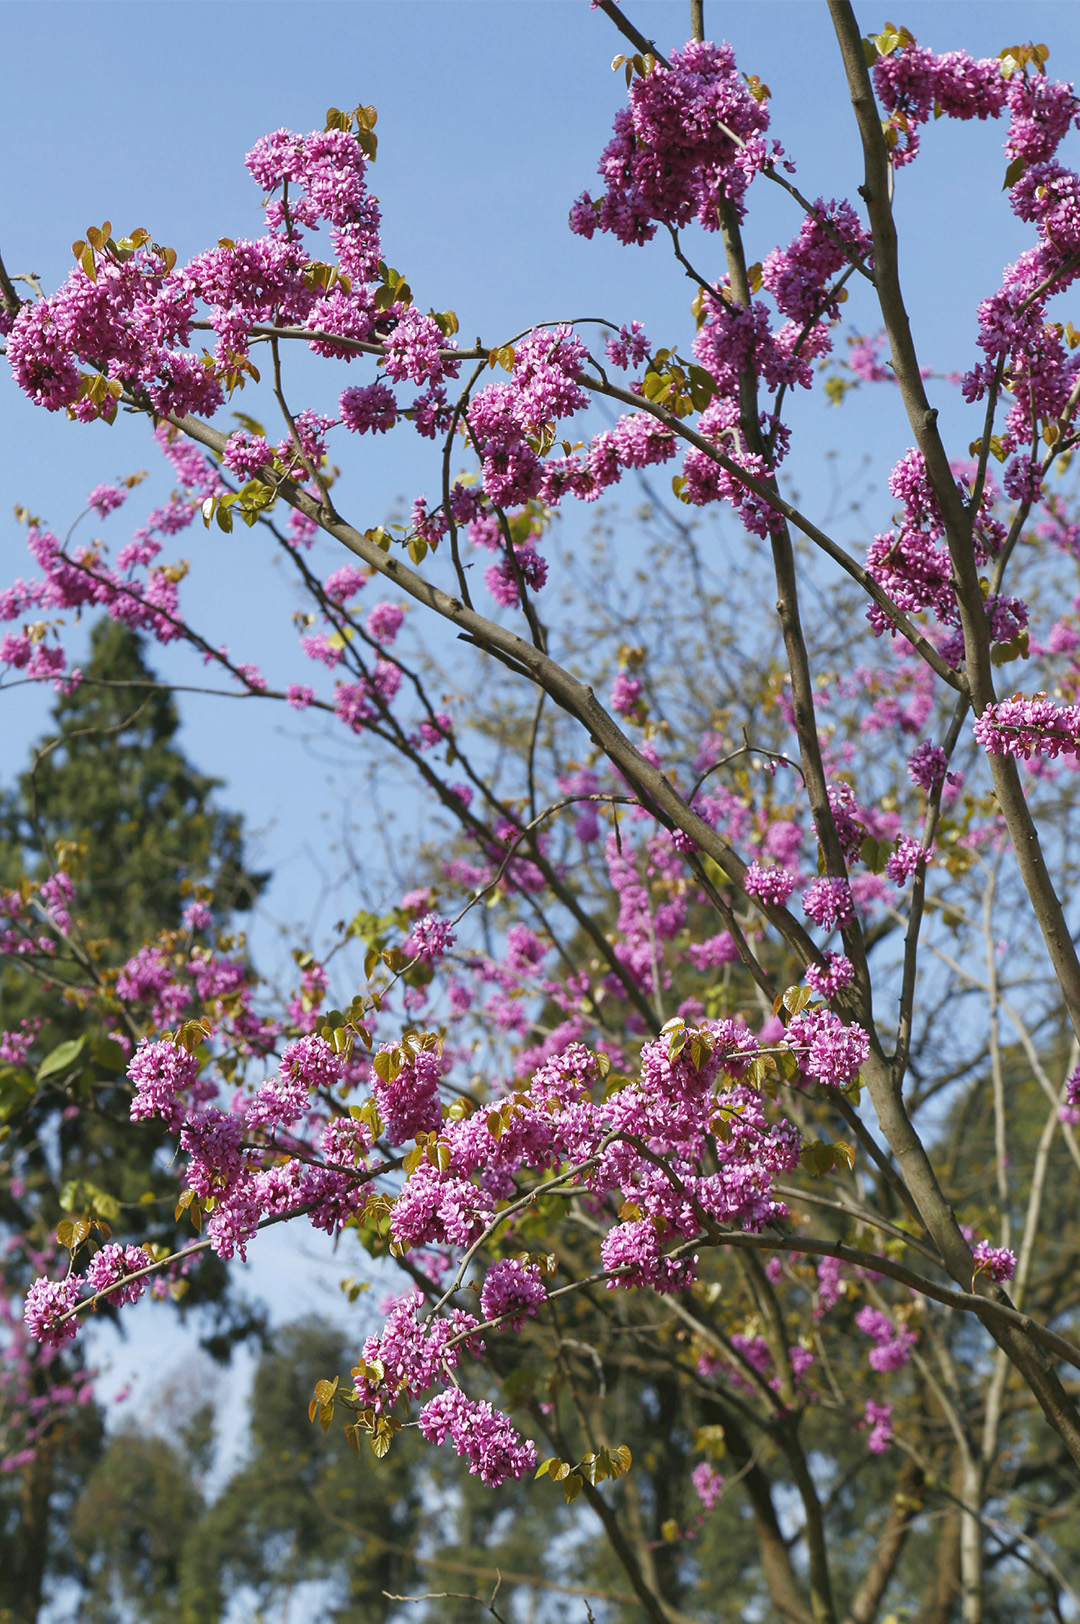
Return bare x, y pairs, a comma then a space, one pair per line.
492, 116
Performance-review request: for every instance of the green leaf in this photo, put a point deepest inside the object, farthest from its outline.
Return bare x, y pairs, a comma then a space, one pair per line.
710, 1439
109, 1055
381, 1439
818, 1158
702, 387
621, 1460
61, 1059
16, 1090
1013, 173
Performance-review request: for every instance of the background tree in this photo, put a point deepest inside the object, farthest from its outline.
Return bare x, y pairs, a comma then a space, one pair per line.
111, 795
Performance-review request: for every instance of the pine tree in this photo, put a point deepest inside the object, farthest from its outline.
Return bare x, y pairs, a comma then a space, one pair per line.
110, 792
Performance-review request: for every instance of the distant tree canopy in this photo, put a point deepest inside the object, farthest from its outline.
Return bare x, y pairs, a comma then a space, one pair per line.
110, 792
113, 782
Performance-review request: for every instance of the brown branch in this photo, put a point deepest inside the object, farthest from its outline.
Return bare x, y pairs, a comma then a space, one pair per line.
959, 520
1056, 1404
903, 1511
8, 297
572, 696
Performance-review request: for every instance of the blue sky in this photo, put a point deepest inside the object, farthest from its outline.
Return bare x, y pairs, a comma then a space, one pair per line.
492, 116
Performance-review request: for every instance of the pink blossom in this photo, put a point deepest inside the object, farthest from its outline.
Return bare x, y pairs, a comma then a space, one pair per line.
625, 694
709, 1484
996, 1261
105, 499
830, 1287
413, 350
110, 1265
629, 347
369, 408
345, 1142
829, 1052
197, 916
907, 860
480, 1435
1069, 1109
892, 1343
1026, 727
879, 1420
635, 1249
838, 973
429, 940
160, 1071
717, 950
672, 157
246, 453
927, 765
772, 885
514, 1289
828, 902
46, 1303
409, 1103
384, 621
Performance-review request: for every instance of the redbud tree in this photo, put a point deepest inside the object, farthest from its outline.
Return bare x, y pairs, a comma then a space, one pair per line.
755, 917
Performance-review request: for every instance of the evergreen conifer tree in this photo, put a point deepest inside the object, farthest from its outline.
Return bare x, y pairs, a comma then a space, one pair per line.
110, 795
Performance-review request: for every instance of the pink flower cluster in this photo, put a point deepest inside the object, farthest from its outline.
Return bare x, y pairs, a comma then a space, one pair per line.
1029, 727
160, 1071
513, 1289
912, 83
691, 138
430, 939
906, 860
409, 1104
996, 1261
828, 902
772, 886
892, 1343
410, 1355
833, 1052
879, 1422
483, 1437
112, 1265
1069, 1109
47, 1302
831, 980
626, 694
708, 1483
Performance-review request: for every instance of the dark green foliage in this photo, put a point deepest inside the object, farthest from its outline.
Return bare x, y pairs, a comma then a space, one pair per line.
110, 795
135, 1533
150, 1544
113, 781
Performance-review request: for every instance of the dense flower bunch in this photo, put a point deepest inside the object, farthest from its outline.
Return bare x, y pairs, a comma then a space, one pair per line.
893, 1342
38, 1390
684, 1148
996, 1261
691, 138
1029, 727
